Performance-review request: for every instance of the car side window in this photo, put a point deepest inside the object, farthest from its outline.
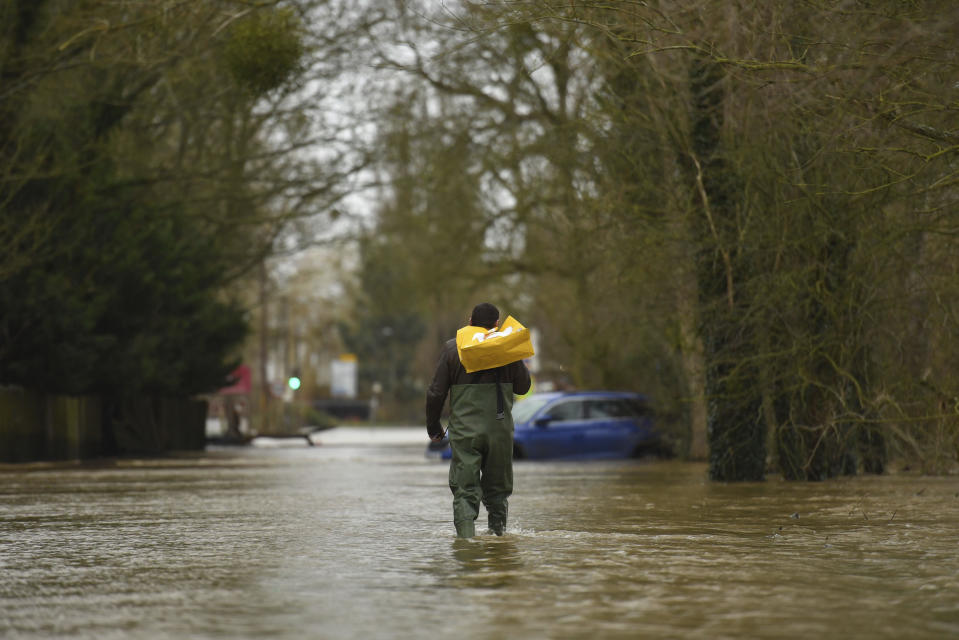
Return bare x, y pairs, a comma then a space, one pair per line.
572, 410
639, 408
608, 408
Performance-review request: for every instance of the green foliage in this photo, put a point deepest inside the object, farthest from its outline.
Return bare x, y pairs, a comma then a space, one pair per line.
264, 50
385, 343
424, 264
126, 300
124, 199
755, 202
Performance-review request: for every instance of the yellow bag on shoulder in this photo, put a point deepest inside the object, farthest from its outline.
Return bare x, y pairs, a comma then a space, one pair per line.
481, 348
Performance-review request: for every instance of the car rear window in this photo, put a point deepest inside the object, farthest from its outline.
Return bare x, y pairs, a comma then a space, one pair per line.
569, 410
609, 408
639, 408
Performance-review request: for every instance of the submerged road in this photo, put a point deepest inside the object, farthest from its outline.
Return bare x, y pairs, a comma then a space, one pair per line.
353, 539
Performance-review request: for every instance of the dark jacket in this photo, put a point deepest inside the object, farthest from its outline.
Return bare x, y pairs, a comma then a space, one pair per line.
450, 372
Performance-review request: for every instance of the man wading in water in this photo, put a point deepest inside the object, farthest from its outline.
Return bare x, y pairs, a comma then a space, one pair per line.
480, 429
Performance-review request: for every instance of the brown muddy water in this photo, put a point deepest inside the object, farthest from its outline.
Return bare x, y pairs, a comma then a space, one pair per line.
353, 539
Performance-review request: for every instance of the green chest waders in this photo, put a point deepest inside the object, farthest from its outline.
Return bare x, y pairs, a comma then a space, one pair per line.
481, 469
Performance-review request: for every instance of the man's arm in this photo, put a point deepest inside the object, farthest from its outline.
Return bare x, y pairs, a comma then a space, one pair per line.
520, 376
436, 398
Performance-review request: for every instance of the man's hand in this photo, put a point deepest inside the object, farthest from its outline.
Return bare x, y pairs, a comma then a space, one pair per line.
435, 432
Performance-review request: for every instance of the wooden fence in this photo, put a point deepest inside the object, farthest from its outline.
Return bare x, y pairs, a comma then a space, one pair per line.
36, 426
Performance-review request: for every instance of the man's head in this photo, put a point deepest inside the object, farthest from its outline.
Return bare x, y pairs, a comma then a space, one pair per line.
484, 315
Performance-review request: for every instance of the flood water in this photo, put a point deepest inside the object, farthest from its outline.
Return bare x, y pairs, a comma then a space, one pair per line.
353, 539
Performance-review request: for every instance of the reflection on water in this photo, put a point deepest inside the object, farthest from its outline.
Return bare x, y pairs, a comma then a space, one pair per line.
488, 562
353, 539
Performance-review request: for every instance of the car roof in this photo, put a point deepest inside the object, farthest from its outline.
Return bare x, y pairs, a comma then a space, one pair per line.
555, 395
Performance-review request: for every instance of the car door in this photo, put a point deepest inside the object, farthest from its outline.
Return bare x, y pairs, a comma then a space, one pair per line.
610, 427
557, 432
643, 416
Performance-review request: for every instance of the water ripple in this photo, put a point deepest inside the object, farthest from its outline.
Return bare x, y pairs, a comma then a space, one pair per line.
353, 539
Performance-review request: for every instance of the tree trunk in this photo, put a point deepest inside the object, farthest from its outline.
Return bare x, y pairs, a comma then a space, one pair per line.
735, 427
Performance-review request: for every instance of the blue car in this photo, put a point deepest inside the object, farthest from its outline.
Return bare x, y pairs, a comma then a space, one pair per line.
578, 425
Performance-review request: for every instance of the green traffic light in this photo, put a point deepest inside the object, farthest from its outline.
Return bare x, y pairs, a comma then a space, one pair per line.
294, 383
